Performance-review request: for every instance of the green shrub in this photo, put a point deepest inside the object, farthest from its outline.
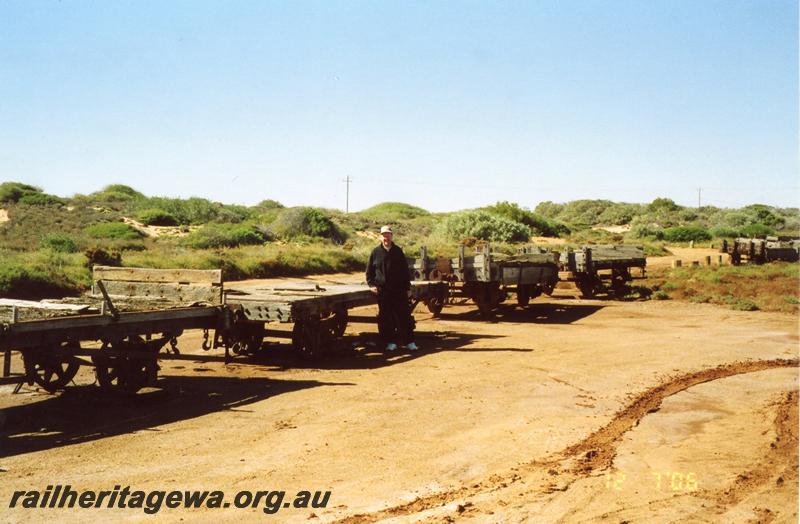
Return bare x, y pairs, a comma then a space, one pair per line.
662, 204
483, 226
660, 295
539, 225
21, 282
97, 256
113, 230
12, 192
157, 217
756, 231
233, 214
686, 234
268, 204
224, 235
305, 221
724, 232
388, 212
59, 242
741, 304
40, 199
189, 211
647, 231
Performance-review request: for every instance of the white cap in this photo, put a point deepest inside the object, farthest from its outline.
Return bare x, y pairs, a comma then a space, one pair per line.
386, 229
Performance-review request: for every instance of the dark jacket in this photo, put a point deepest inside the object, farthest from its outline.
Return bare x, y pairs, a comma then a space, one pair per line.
388, 270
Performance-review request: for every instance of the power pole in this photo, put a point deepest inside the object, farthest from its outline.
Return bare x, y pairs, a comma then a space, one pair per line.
347, 181
699, 190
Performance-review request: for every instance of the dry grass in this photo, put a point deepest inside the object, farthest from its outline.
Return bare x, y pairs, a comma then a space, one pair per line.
769, 287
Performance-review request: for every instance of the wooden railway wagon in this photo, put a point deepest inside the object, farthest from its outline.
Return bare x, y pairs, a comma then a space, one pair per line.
486, 278
318, 313
133, 314
602, 268
760, 251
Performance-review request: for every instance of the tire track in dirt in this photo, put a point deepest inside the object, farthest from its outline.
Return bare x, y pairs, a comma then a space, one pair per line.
778, 465
597, 451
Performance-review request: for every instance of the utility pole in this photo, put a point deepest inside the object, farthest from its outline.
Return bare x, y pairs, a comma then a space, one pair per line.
347, 181
699, 190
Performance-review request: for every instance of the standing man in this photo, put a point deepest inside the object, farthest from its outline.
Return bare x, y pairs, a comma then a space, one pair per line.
388, 277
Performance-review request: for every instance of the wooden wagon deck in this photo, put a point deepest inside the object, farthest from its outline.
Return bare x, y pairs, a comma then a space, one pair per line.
135, 313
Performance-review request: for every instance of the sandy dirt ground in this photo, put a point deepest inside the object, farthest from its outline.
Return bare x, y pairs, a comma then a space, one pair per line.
569, 410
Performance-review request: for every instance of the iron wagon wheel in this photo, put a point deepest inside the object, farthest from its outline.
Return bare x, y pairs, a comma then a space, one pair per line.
339, 319
307, 337
122, 373
523, 295
618, 281
435, 304
483, 299
247, 338
586, 287
51, 368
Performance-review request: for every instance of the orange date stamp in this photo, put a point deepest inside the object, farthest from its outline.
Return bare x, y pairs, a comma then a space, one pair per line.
676, 481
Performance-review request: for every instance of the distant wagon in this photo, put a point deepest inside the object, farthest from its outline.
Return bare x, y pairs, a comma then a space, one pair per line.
761, 251
488, 278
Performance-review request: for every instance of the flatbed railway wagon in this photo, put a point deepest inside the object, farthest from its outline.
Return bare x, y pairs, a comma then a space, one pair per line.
134, 316
599, 269
487, 278
761, 251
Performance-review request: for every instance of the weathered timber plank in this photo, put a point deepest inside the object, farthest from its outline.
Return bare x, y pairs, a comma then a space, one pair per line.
174, 293
133, 274
202, 312
42, 305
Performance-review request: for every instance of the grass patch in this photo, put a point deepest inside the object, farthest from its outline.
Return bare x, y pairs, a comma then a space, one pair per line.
743, 288
113, 231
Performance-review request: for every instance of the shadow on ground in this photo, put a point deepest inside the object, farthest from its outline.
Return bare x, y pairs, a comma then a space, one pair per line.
84, 413
536, 313
365, 351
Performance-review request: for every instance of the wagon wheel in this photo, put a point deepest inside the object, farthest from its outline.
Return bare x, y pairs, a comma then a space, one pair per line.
586, 287
548, 288
340, 318
483, 299
523, 295
126, 374
307, 337
51, 369
435, 305
619, 279
247, 338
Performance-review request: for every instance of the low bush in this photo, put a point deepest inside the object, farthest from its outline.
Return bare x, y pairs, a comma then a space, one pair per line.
113, 231
686, 234
60, 243
157, 217
12, 192
539, 225
41, 199
388, 212
724, 232
224, 235
97, 256
756, 231
305, 221
483, 226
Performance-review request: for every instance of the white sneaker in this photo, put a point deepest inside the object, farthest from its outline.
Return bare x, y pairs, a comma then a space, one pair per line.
391, 346
412, 347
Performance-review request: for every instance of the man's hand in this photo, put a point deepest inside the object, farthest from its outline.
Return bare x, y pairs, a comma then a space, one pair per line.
374, 290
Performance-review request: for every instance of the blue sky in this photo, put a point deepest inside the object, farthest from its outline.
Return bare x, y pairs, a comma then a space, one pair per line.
445, 105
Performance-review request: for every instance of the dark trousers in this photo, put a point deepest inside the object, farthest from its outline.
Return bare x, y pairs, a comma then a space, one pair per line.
395, 323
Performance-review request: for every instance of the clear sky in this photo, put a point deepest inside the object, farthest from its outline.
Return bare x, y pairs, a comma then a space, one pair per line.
442, 104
